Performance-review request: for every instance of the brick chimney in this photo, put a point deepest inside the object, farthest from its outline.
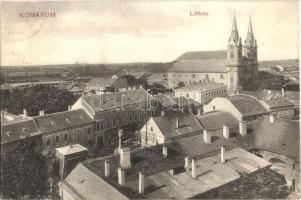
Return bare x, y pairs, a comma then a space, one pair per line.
207, 136
41, 113
165, 151
193, 169
223, 154
273, 117
162, 113
226, 131
243, 128
141, 183
107, 168
187, 163
177, 122
125, 158
121, 176
24, 113
282, 92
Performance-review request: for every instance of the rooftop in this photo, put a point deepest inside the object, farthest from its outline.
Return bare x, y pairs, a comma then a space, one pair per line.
113, 100
62, 120
201, 86
101, 82
203, 65
82, 183
246, 105
19, 130
71, 149
197, 55
187, 124
215, 120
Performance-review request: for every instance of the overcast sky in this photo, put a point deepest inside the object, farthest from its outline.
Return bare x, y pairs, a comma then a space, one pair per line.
148, 31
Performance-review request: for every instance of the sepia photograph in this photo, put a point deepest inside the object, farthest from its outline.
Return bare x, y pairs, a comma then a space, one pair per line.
150, 99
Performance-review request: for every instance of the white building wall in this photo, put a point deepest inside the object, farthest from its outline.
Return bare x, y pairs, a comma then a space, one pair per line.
192, 78
152, 132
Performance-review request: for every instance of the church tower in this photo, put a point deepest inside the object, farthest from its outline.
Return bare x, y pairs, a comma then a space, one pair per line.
250, 53
250, 44
234, 55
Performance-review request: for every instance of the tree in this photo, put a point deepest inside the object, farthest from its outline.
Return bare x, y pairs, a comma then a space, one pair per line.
36, 98
25, 173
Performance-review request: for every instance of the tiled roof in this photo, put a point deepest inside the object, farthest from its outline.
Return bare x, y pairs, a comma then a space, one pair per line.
82, 183
187, 124
117, 99
101, 82
282, 137
215, 120
205, 65
62, 120
201, 86
18, 130
71, 149
278, 102
246, 105
197, 55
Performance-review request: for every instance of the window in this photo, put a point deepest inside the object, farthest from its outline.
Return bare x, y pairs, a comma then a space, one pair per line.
119, 121
89, 131
57, 139
65, 136
98, 126
114, 122
102, 125
48, 142
193, 75
222, 76
152, 129
231, 79
108, 124
187, 95
207, 76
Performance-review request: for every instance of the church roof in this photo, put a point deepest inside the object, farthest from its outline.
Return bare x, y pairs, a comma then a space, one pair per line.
202, 65
197, 55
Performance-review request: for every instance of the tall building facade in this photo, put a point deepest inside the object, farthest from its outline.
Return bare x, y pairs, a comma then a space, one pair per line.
236, 67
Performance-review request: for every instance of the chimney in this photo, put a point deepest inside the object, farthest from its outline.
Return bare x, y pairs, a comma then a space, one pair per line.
223, 154
125, 158
120, 133
187, 163
273, 117
199, 112
177, 122
162, 113
41, 113
207, 136
283, 92
243, 128
165, 151
141, 183
2, 116
69, 107
121, 176
193, 169
107, 168
24, 113
226, 132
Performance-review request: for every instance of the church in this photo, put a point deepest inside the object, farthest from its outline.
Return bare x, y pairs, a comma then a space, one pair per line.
236, 67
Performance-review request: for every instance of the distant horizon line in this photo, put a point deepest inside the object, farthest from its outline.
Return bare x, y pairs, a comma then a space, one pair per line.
121, 63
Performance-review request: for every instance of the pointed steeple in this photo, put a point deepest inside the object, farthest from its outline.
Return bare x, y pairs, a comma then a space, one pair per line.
234, 37
250, 35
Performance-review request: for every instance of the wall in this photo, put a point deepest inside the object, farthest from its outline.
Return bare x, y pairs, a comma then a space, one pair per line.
77, 135
192, 78
154, 134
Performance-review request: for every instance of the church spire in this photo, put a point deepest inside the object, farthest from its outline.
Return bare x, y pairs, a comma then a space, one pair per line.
234, 37
250, 35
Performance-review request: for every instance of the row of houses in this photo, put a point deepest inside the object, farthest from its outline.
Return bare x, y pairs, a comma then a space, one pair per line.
93, 120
